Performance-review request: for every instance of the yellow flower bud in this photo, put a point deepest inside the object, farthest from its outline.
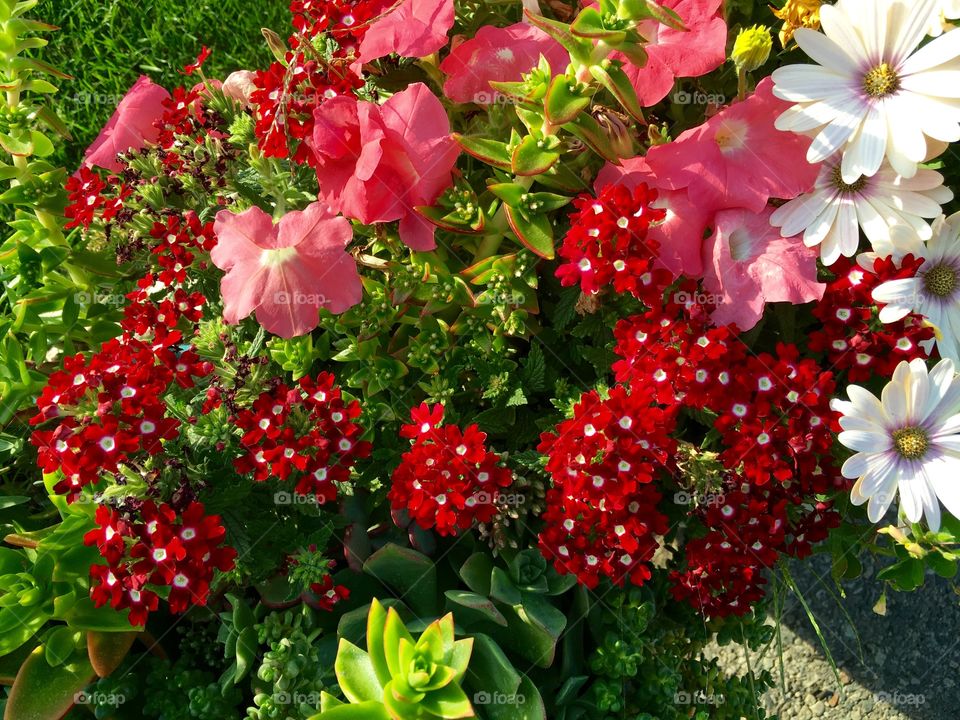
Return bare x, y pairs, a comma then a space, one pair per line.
752, 48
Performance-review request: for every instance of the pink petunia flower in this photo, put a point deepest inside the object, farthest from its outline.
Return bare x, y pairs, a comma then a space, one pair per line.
240, 85
500, 55
738, 159
377, 163
680, 235
749, 264
286, 272
130, 127
695, 51
411, 28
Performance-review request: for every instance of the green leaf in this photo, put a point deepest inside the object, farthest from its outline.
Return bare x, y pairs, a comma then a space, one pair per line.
616, 81
488, 151
525, 704
479, 605
410, 574
563, 102
246, 652
41, 692
58, 645
509, 193
84, 615
476, 573
450, 701
356, 675
361, 711
107, 650
9, 501
535, 233
589, 24
376, 623
533, 156
490, 669
590, 132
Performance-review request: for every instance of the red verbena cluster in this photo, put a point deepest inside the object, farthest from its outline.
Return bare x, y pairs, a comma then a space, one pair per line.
448, 480
287, 93
851, 334
608, 244
306, 432
111, 408
602, 518
152, 548
328, 594
748, 529
87, 202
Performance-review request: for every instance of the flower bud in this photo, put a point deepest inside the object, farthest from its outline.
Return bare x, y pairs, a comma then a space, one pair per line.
752, 48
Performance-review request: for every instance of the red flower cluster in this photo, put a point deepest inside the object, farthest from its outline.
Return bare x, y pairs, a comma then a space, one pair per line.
775, 418
158, 548
448, 479
748, 529
110, 408
288, 93
608, 243
852, 336
86, 202
602, 518
306, 431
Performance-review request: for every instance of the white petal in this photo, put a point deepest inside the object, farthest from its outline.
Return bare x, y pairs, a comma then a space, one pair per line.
855, 466
825, 51
865, 441
941, 50
806, 83
866, 151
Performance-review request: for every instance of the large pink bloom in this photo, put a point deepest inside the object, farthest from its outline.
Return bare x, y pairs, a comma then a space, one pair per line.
501, 55
738, 159
377, 163
413, 28
131, 127
749, 264
701, 48
286, 272
681, 234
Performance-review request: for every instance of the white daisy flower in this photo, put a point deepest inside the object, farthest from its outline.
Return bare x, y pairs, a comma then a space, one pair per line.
945, 10
908, 442
873, 95
934, 291
833, 213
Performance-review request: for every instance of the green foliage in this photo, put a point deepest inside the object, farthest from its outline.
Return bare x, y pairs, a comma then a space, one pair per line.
408, 678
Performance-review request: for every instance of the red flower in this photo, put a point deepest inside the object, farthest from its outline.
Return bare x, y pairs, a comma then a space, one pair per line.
448, 480
609, 244
602, 518
198, 63
328, 594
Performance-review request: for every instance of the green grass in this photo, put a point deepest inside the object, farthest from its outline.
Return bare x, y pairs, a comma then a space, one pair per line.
106, 44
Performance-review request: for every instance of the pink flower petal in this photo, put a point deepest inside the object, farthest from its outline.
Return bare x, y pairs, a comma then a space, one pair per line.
130, 127
285, 273
749, 264
497, 54
415, 28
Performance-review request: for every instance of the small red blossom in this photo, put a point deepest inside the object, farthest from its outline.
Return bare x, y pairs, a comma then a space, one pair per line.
198, 63
609, 244
448, 480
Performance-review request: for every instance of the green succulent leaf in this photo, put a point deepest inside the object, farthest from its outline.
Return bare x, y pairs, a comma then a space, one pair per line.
356, 675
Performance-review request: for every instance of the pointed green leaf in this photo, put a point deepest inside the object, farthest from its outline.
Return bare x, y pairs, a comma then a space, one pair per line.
533, 157
535, 233
356, 675
563, 103
491, 152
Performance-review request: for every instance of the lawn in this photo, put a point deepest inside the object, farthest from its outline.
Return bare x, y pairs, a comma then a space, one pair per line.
106, 44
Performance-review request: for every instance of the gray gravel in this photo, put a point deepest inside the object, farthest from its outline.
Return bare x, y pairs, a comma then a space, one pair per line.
906, 665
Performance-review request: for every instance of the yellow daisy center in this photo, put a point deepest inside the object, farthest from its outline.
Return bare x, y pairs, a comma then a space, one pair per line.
940, 281
881, 81
911, 443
